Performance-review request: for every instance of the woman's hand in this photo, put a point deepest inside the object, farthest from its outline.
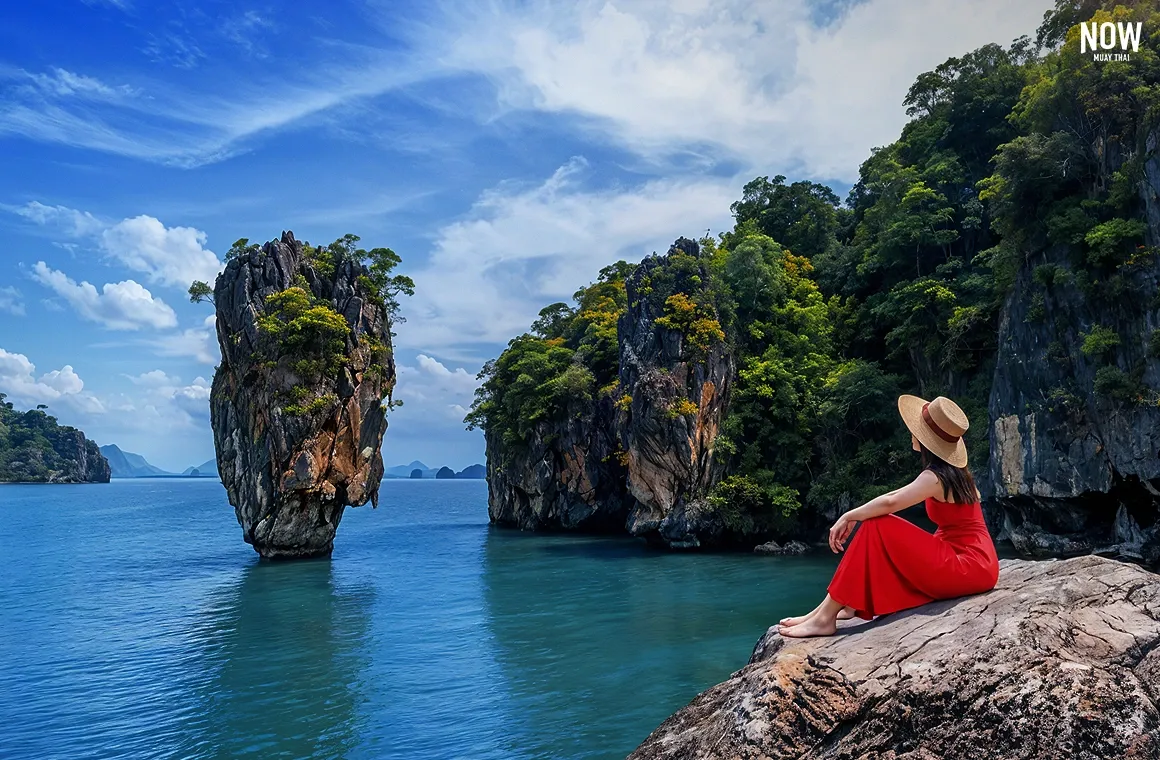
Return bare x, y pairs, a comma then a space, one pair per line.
840, 531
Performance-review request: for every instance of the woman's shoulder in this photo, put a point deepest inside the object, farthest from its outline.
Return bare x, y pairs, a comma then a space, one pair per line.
978, 499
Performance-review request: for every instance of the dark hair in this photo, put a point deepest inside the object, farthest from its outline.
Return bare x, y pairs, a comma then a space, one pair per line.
957, 480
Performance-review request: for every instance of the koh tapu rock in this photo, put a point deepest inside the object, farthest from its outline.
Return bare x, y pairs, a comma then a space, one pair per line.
298, 404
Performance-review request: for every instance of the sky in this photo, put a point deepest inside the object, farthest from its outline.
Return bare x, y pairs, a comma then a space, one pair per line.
506, 150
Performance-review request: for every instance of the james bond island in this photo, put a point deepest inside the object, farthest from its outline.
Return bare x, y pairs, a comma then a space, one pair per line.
299, 402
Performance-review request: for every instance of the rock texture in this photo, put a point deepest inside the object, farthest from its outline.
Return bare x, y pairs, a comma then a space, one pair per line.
569, 475
670, 456
90, 465
1060, 660
290, 475
1076, 471
790, 547
35, 449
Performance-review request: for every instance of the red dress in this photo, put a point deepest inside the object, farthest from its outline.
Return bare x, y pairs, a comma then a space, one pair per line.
892, 564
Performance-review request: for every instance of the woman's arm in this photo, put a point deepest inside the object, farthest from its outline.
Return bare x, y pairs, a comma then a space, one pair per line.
926, 484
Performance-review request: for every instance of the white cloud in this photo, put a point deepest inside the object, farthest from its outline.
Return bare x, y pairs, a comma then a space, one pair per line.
69, 220
11, 301
118, 305
61, 82
199, 343
172, 256
752, 80
152, 378
521, 248
58, 388
758, 81
433, 392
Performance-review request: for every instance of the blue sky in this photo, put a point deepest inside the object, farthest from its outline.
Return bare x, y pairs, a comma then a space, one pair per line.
507, 151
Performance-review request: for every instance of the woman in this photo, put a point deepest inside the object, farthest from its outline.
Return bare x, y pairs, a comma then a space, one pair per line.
892, 564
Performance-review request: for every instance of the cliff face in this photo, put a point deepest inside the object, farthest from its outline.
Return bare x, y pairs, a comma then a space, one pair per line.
568, 475
35, 449
679, 397
1075, 468
91, 466
1074, 675
298, 428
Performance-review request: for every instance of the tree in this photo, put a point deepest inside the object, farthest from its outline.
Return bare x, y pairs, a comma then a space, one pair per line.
388, 287
200, 291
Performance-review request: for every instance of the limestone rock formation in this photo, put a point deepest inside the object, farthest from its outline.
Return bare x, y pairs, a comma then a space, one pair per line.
568, 475
298, 415
1060, 660
35, 449
91, 466
1075, 468
670, 449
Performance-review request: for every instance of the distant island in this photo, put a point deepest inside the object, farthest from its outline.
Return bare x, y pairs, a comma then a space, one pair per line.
416, 470
125, 464
35, 449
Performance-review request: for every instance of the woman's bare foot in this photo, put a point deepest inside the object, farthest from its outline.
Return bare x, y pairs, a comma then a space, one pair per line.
816, 625
844, 614
795, 620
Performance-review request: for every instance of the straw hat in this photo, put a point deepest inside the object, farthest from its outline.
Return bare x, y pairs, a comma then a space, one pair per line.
939, 425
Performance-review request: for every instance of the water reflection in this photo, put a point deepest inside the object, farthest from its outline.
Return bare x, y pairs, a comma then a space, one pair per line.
282, 656
600, 639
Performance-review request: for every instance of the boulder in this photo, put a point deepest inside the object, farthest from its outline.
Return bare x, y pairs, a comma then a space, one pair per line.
1060, 660
790, 547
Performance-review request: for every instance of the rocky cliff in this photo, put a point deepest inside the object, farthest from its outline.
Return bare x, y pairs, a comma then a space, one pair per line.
677, 385
297, 405
35, 449
1060, 660
89, 465
1075, 424
569, 475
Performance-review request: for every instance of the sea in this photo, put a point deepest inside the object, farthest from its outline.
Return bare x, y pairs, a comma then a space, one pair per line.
135, 623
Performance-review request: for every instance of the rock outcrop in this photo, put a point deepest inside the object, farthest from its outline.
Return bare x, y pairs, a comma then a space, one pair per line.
1060, 660
569, 475
89, 465
35, 449
297, 428
1075, 461
679, 397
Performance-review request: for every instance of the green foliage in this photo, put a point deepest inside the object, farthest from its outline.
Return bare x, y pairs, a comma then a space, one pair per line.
242, 247
803, 216
681, 407
1107, 240
570, 356
305, 331
1015, 158
200, 291
1099, 341
696, 322
1112, 382
753, 506
34, 448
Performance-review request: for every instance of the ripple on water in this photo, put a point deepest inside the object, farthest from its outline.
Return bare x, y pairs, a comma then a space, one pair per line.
134, 623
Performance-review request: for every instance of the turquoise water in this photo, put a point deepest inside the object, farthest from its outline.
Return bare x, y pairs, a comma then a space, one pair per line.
134, 623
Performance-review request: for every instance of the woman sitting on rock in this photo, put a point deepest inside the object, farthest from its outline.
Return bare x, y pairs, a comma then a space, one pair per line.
892, 564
